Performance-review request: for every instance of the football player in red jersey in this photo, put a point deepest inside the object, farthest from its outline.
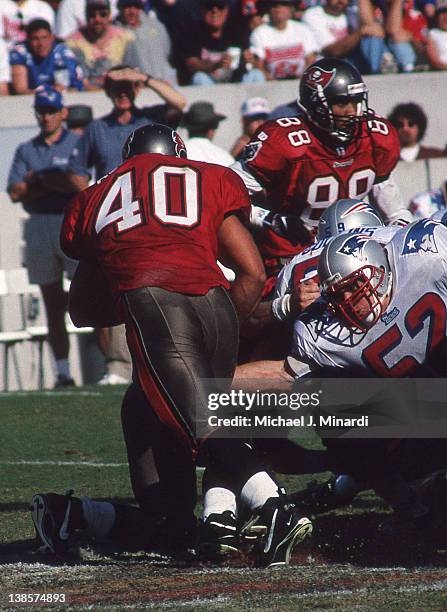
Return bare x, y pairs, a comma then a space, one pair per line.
155, 227
338, 148
295, 167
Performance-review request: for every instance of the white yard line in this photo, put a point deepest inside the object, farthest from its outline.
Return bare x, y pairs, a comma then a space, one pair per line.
71, 463
8, 394
64, 463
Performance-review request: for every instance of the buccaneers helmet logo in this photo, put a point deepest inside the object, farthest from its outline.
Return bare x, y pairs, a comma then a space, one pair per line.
180, 146
318, 78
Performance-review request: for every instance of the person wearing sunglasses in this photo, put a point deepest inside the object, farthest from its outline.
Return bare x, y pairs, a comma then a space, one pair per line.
411, 122
100, 45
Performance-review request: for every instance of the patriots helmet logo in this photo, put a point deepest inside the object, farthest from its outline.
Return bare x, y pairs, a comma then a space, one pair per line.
180, 147
359, 207
318, 79
353, 246
420, 238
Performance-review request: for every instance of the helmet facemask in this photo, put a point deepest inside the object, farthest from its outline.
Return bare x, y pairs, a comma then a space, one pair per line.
347, 127
367, 289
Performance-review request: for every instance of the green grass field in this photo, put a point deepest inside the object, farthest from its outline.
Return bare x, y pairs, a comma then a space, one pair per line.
53, 441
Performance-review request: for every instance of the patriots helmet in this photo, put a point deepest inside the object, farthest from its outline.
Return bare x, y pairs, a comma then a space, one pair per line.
154, 138
331, 81
346, 214
355, 278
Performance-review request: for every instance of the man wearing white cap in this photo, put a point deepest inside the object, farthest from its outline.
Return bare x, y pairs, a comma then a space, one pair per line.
254, 111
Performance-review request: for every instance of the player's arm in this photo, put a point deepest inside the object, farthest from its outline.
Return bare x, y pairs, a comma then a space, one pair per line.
263, 375
388, 198
90, 302
238, 251
286, 306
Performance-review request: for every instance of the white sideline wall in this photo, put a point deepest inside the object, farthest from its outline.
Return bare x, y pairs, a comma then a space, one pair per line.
17, 123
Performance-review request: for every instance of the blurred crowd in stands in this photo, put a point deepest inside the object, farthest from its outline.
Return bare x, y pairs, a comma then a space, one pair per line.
71, 44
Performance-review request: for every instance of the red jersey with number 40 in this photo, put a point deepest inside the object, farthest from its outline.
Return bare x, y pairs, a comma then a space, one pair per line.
154, 222
303, 176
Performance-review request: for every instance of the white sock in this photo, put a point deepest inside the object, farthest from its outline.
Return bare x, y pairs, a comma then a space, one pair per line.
257, 490
217, 500
100, 516
63, 368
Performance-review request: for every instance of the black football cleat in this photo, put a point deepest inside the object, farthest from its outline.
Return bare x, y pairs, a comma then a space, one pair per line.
63, 381
218, 536
51, 517
286, 527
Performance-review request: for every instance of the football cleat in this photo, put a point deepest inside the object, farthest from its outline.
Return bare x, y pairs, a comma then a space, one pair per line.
286, 527
252, 529
51, 517
218, 535
63, 381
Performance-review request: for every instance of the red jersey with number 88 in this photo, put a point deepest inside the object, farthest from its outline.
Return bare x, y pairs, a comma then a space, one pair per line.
303, 176
154, 222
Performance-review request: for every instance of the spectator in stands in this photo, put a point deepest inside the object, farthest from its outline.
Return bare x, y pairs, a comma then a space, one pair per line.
410, 122
35, 177
153, 45
428, 9
100, 45
216, 50
254, 112
437, 38
71, 16
251, 14
15, 15
5, 69
400, 41
177, 15
54, 4
427, 203
78, 117
361, 43
201, 122
43, 61
282, 48
100, 149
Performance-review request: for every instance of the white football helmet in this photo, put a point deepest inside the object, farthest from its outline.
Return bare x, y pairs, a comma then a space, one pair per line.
355, 278
346, 214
